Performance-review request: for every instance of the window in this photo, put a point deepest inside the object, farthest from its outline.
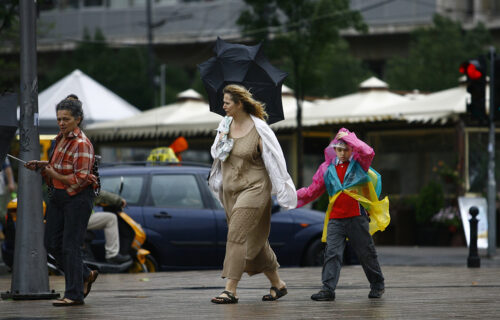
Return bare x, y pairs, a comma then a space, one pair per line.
218, 205
131, 187
176, 191
93, 3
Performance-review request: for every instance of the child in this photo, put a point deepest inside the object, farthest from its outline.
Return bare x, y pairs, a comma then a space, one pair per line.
354, 211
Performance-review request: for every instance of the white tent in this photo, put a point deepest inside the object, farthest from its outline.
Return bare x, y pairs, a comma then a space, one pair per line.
362, 106
99, 104
290, 109
189, 115
436, 107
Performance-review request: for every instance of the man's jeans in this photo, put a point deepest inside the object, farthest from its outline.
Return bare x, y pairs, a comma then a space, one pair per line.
67, 218
356, 230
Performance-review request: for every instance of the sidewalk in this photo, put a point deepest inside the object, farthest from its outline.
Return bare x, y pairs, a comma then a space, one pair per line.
432, 256
444, 288
411, 256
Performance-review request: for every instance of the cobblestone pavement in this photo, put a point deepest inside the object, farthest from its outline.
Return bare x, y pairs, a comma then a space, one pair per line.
412, 292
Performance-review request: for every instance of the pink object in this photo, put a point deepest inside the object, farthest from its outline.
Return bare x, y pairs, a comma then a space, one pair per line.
362, 153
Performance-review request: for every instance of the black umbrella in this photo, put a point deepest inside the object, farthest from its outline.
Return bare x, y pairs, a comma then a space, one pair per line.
247, 66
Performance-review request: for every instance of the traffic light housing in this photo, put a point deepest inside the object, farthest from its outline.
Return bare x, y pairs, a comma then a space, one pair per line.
475, 71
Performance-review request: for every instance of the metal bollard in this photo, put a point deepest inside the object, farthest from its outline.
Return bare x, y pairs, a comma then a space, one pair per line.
473, 261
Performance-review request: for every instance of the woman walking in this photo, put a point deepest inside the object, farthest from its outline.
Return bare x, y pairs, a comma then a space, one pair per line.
68, 174
248, 167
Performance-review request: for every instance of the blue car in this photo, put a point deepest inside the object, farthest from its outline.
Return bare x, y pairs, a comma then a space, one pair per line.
186, 226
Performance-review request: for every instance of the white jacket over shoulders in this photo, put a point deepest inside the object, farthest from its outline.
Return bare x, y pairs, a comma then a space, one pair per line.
274, 161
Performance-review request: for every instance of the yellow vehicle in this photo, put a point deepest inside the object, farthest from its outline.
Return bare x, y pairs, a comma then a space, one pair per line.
45, 142
132, 236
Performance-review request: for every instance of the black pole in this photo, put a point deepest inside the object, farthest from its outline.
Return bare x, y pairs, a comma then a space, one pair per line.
299, 96
150, 52
30, 278
473, 261
492, 187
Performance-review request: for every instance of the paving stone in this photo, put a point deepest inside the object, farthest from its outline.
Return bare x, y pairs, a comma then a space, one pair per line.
412, 292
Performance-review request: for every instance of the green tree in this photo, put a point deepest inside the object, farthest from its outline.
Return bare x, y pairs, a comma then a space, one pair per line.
336, 72
434, 56
121, 70
9, 17
299, 33
9, 42
9, 38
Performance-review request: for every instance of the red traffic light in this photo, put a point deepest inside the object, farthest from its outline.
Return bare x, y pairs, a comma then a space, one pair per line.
472, 69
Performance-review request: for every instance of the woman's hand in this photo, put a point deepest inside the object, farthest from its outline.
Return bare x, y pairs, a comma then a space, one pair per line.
35, 164
50, 172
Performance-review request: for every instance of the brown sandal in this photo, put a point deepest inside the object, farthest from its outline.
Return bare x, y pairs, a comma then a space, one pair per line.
87, 284
230, 299
278, 294
65, 302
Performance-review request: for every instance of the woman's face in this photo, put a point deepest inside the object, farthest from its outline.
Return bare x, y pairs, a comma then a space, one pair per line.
66, 122
230, 106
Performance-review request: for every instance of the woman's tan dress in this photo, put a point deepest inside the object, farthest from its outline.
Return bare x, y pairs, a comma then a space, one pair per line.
247, 202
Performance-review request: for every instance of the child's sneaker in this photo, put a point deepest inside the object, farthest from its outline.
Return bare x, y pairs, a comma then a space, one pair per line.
323, 295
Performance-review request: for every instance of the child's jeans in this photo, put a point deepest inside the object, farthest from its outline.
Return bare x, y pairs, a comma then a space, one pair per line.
356, 230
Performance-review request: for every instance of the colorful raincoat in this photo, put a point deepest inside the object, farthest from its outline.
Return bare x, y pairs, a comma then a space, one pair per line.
361, 182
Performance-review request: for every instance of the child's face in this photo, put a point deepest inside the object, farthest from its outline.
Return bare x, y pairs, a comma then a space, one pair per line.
343, 154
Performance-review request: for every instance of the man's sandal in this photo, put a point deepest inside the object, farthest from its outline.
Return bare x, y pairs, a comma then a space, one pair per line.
278, 294
65, 302
225, 300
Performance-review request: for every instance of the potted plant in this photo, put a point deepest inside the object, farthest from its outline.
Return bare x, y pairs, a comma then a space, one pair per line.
429, 201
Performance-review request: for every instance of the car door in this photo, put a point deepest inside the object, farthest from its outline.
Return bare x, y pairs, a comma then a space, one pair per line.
281, 235
129, 187
182, 224
282, 232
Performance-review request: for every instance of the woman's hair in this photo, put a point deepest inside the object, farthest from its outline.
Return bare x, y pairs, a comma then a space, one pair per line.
73, 105
250, 105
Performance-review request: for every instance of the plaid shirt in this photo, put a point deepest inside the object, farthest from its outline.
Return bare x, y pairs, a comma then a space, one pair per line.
74, 157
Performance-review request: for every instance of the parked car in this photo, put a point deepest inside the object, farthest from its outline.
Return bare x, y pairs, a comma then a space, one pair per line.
186, 225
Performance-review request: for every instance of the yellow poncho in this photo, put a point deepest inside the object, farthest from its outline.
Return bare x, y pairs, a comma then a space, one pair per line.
363, 186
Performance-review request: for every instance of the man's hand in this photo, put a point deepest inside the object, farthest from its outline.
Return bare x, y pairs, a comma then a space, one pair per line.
124, 203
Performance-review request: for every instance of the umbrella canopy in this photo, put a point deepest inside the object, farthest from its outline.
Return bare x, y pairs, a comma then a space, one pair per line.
247, 66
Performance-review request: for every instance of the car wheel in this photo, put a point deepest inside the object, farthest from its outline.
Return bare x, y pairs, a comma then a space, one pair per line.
315, 254
149, 266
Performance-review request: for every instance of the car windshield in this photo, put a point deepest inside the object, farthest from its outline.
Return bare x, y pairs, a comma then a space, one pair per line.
176, 191
218, 205
128, 187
